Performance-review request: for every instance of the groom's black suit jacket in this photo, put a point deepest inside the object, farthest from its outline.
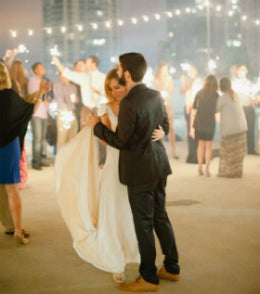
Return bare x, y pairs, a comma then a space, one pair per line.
141, 161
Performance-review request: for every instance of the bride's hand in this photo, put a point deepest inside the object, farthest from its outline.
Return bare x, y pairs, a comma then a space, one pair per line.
92, 120
158, 134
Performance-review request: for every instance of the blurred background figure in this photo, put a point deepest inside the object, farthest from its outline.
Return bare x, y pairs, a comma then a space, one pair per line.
91, 91
79, 66
233, 72
190, 85
65, 93
203, 121
39, 120
244, 90
96, 83
163, 82
233, 129
257, 114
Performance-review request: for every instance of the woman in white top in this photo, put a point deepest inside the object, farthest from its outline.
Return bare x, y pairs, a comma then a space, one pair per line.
233, 128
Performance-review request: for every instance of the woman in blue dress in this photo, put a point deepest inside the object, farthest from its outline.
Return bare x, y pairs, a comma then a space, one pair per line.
15, 113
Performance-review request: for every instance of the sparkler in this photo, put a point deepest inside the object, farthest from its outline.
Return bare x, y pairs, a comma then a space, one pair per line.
54, 51
185, 66
66, 116
22, 48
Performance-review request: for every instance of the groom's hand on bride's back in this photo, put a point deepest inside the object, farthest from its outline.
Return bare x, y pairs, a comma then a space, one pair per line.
92, 120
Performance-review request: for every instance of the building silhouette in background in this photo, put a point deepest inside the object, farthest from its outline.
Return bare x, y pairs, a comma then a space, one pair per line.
79, 28
234, 34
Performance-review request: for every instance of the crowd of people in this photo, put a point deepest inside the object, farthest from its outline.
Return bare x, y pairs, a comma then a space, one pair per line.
94, 110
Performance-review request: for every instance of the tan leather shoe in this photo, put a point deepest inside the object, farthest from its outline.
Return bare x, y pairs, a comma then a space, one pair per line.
140, 285
164, 275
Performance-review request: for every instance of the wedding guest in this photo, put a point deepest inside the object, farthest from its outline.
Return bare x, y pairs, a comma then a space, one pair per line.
15, 114
190, 85
163, 82
17, 74
244, 91
19, 85
65, 93
39, 120
90, 98
233, 127
79, 66
96, 82
203, 121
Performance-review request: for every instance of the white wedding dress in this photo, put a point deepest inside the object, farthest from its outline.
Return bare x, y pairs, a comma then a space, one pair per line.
95, 208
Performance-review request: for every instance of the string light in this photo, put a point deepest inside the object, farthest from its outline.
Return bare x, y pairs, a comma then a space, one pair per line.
218, 8
30, 32
146, 18
80, 27
95, 26
120, 22
157, 16
134, 20
108, 24
171, 34
49, 31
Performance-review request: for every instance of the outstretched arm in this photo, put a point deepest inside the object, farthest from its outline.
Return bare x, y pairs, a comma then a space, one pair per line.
59, 65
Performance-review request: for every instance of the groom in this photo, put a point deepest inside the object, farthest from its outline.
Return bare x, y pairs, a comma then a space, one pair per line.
143, 167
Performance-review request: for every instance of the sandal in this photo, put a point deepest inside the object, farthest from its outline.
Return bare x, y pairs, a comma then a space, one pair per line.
20, 239
119, 277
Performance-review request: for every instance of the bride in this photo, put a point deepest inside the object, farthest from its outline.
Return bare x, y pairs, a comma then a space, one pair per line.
98, 216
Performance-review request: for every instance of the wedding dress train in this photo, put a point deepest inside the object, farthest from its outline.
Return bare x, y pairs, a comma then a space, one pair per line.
95, 208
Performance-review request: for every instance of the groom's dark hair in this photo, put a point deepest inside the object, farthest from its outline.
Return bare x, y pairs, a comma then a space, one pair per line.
135, 63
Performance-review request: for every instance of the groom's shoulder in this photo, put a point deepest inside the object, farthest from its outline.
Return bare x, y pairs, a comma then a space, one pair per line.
142, 90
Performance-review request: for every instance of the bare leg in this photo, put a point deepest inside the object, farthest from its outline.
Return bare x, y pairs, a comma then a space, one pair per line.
208, 154
200, 155
15, 206
172, 138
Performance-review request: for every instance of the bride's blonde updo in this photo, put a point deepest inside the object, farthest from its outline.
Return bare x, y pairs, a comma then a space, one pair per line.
112, 74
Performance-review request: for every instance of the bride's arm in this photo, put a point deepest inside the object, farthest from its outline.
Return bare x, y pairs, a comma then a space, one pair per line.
105, 121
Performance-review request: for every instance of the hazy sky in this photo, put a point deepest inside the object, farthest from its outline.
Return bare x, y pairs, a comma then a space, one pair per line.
24, 14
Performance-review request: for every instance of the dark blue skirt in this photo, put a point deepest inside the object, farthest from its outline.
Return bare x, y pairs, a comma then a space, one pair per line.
10, 163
